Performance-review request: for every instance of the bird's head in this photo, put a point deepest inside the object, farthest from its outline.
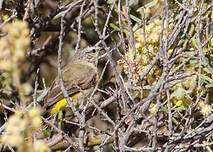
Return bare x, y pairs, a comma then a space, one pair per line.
89, 54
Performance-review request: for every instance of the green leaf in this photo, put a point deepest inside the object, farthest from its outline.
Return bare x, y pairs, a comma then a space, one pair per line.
133, 3
150, 4
60, 14
207, 70
204, 50
194, 42
115, 27
164, 109
209, 86
206, 78
182, 108
136, 19
193, 62
46, 133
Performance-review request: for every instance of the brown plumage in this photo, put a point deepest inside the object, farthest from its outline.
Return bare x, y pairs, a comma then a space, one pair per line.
79, 74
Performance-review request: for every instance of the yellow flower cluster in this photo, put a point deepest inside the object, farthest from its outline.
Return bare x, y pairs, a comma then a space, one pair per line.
205, 109
141, 61
152, 31
14, 45
20, 127
180, 95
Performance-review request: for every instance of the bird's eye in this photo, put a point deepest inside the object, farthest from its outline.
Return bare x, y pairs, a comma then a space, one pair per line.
93, 51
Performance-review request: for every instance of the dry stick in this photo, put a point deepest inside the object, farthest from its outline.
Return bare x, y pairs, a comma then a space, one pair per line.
203, 145
66, 8
86, 125
81, 132
113, 65
79, 26
6, 93
68, 149
155, 128
140, 149
180, 76
144, 36
189, 57
190, 120
186, 22
200, 46
8, 108
99, 80
175, 32
72, 143
131, 34
80, 117
126, 136
103, 113
170, 112
35, 97
195, 134
40, 98
27, 10
121, 27
207, 41
54, 140
167, 29
114, 69
11, 148
182, 64
143, 103
155, 89
182, 6
132, 44
36, 2
201, 53
109, 137
205, 61
93, 102
64, 91
109, 58
208, 23
166, 66
107, 20
124, 87
96, 18
118, 80
35, 89
103, 104
1, 2
9, 19
203, 12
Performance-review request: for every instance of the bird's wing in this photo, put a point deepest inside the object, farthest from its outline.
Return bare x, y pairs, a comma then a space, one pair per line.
76, 77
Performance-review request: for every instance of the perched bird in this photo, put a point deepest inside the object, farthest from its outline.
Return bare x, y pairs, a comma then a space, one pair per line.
80, 76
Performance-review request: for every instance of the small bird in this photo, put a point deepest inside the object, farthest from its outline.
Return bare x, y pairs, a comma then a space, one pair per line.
80, 76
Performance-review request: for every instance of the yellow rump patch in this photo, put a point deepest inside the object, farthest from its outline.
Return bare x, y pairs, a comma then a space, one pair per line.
59, 105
